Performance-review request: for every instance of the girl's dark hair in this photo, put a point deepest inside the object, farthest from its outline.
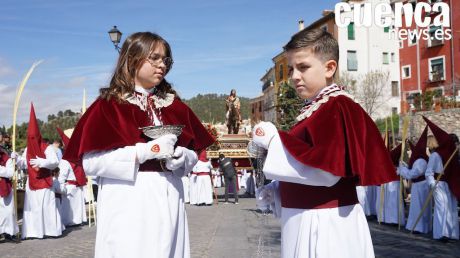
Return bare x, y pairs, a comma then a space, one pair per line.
321, 43
135, 50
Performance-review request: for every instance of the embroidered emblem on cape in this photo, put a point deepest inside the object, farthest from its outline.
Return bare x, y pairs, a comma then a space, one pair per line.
260, 132
323, 97
140, 100
156, 148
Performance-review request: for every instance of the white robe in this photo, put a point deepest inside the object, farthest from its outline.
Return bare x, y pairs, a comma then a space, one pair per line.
186, 186
389, 212
418, 194
217, 180
41, 216
366, 197
73, 209
8, 222
203, 184
192, 189
445, 217
331, 232
139, 214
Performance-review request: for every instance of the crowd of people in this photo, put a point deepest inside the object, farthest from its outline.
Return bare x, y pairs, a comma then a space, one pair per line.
329, 171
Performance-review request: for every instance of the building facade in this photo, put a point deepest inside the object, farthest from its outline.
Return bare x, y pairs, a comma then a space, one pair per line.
430, 65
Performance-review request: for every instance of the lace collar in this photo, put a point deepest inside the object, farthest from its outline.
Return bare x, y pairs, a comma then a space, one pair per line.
311, 106
141, 95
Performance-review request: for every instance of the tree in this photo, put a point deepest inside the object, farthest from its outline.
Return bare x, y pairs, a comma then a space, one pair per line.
368, 89
289, 105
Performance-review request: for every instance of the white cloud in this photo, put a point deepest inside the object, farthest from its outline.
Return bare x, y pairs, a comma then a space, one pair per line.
5, 68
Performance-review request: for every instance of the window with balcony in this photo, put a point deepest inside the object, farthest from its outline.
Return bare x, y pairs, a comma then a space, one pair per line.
352, 61
351, 31
394, 89
385, 58
432, 40
437, 69
406, 72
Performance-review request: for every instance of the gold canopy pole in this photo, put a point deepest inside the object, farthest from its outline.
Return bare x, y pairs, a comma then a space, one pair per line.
89, 179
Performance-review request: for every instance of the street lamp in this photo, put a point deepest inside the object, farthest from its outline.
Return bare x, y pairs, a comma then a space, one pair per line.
115, 37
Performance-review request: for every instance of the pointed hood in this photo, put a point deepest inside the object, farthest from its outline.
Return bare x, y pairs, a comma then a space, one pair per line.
445, 150
64, 138
395, 154
203, 156
419, 150
38, 178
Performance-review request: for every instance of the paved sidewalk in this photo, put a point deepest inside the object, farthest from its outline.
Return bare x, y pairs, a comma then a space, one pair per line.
230, 230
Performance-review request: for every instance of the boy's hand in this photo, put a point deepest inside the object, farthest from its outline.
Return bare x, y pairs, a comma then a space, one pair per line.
263, 133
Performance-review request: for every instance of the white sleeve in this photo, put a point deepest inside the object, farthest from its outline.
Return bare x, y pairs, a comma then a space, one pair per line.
51, 161
190, 161
64, 170
7, 171
281, 166
418, 169
116, 164
434, 166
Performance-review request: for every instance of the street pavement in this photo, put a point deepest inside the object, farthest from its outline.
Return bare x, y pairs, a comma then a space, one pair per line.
233, 230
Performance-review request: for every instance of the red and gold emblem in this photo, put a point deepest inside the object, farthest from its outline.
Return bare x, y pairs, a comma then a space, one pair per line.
260, 132
156, 148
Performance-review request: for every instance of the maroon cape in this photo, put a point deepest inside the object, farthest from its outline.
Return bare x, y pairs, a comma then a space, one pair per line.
41, 178
5, 183
342, 139
80, 175
108, 125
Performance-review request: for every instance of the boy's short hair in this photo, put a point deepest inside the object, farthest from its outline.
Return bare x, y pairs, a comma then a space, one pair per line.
321, 42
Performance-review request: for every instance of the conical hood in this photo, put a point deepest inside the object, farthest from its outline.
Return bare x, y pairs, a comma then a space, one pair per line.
38, 178
64, 138
33, 131
445, 150
203, 157
419, 150
442, 137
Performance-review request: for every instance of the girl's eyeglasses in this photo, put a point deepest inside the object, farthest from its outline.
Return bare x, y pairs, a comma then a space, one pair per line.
155, 59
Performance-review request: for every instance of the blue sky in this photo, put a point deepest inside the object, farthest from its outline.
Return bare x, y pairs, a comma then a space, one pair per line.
217, 45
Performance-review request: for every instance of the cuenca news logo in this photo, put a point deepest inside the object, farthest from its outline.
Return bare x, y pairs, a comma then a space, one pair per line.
432, 20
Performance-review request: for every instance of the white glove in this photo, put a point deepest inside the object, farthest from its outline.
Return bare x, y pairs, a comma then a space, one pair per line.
37, 162
160, 148
14, 155
263, 133
178, 159
432, 184
431, 181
